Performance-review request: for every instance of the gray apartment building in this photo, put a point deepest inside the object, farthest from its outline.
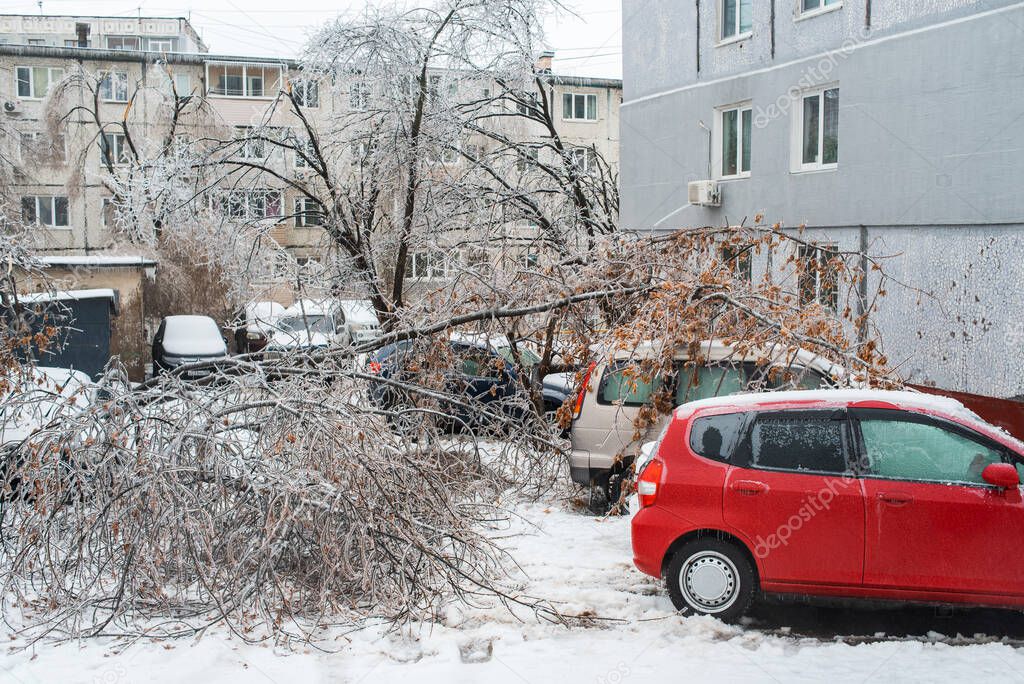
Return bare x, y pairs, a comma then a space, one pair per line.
892, 127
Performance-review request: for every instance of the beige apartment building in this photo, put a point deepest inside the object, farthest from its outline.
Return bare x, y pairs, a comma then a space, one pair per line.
58, 173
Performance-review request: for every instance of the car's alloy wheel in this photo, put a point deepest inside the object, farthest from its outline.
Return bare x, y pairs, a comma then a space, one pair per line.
711, 576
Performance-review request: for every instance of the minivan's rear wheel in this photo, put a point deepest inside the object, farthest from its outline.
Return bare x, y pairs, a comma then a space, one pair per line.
710, 576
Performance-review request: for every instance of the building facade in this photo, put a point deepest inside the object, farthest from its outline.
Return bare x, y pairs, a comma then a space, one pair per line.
59, 173
893, 128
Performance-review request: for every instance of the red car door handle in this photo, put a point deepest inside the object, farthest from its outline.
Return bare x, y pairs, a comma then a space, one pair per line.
749, 487
895, 498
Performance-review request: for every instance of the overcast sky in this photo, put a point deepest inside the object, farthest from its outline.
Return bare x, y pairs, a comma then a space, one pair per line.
587, 45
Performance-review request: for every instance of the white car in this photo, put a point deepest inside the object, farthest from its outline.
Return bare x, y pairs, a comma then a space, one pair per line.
317, 324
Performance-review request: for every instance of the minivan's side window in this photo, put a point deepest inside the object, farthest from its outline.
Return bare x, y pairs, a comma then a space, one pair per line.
799, 441
922, 451
704, 382
715, 437
629, 385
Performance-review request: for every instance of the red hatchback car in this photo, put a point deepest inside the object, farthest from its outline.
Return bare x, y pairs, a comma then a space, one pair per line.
846, 493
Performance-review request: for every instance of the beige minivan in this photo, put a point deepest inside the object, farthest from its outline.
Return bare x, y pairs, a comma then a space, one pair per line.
605, 438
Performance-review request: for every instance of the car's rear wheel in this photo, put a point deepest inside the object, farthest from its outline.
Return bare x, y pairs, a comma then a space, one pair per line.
709, 576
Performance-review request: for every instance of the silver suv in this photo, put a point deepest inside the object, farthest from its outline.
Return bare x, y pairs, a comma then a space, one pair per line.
605, 437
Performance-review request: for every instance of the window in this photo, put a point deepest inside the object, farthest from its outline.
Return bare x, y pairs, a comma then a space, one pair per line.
818, 275
715, 437
108, 213
735, 18
307, 213
37, 41
819, 130
251, 204
629, 385
251, 143
527, 159
739, 261
243, 80
429, 265
178, 84
736, 125
304, 147
306, 93
114, 86
816, 6
577, 107
37, 148
34, 82
124, 43
810, 441
359, 97
73, 43
45, 211
704, 382
912, 449
584, 159
113, 149
161, 44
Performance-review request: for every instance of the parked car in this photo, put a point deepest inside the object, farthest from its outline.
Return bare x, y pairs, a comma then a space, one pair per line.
858, 494
487, 374
256, 326
317, 324
556, 387
605, 440
183, 340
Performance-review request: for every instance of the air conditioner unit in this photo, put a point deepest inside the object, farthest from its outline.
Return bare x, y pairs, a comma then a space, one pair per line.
12, 107
705, 193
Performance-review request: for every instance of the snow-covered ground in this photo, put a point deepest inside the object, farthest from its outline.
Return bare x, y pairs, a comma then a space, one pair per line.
583, 564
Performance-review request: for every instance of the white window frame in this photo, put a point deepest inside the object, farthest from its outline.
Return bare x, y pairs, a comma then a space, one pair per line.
718, 139
114, 86
584, 159
819, 253
797, 145
298, 162
245, 79
138, 41
304, 206
52, 200
301, 89
248, 146
824, 7
156, 44
359, 96
587, 97
117, 144
737, 34
246, 200
50, 80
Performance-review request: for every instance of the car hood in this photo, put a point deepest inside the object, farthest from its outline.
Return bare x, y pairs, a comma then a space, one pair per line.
560, 383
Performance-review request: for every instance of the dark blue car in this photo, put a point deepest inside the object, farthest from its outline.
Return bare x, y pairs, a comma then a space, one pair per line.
483, 384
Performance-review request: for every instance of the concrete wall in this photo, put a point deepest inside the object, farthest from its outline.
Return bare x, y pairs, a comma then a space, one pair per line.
931, 129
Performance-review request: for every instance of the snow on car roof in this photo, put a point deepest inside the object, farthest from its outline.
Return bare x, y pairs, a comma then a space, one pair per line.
193, 336
718, 350
928, 403
359, 311
261, 316
310, 307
